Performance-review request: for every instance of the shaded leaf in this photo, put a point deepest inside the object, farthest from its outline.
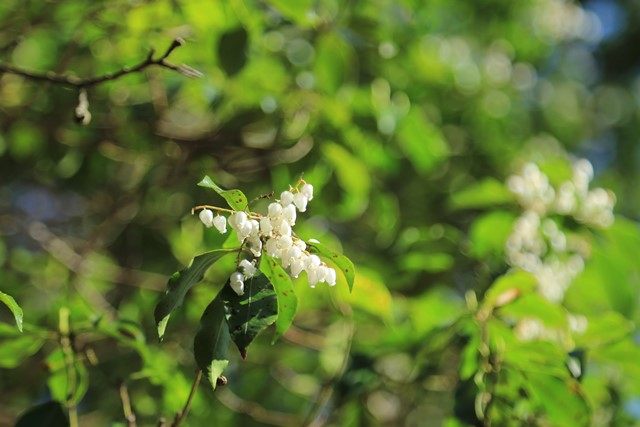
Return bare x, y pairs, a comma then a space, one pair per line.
211, 342
180, 283
482, 194
49, 414
250, 313
342, 262
235, 198
14, 307
232, 50
14, 350
286, 296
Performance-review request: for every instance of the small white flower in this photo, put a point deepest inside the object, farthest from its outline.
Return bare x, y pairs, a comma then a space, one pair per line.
312, 262
286, 198
284, 229
249, 269
275, 210
312, 276
289, 214
237, 283
330, 277
265, 226
272, 247
297, 266
220, 223
255, 245
300, 244
237, 219
307, 190
300, 200
206, 216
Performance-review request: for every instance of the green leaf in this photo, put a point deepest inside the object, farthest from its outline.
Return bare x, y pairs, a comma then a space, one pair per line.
342, 262
232, 50
250, 313
49, 414
14, 307
287, 300
486, 193
490, 232
562, 404
513, 284
62, 386
421, 141
180, 283
604, 330
211, 342
235, 198
13, 351
536, 306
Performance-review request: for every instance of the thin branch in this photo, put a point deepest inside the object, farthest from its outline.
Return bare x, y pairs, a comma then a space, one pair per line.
129, 415
256, 411
180, 416
81, 83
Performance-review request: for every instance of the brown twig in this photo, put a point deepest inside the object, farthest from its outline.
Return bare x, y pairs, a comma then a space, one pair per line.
129, 415
180, 416
83, 83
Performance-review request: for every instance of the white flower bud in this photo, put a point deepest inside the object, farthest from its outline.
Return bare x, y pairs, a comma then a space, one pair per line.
289, 214
284, 229
265, 226
272, 247
330, 276
237, 219
312, 262
275, 210
244, 230
236, 282
220, 223
307, 190
300, 244
255, 245
296, 267
322, 273
312, 276
255, 227
286, 198
206, 216
300, 200
248, 268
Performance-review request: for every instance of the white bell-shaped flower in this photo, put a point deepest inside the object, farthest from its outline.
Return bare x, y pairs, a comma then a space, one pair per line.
237, 219
274, 210
297, 265
307, 190
255, 245
265, 226
285, 229
249, 269
237, 283
300, 244
312, 276
286, 198
289, 214
271, 246
220, 223
330, 277
300, 200
206, 216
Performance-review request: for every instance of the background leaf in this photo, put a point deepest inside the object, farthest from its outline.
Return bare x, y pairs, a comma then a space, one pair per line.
14, 307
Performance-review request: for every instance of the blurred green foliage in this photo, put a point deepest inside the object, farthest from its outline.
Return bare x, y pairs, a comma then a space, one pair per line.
407, 116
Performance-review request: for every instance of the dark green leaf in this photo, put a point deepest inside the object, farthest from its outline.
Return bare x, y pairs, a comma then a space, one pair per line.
211, 342
180, 283
14, 307
250, 313
287, 300
14, 350
341, 261
232, 50
235, 198
49, 414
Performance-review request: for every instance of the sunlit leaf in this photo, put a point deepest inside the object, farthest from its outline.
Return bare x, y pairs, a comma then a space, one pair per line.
235, 198
14, 307
486, 193
283, 286
180, 283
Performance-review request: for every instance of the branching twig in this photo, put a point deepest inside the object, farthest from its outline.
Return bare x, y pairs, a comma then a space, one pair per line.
85, 82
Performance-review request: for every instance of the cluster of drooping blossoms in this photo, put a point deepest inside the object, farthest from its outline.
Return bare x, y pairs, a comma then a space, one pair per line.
537, 243
272, 233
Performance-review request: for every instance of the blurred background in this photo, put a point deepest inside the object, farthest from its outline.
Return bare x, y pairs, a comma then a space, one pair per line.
406, 116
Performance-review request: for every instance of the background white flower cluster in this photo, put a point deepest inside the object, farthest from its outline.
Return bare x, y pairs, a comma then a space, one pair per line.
273, 233
537, 243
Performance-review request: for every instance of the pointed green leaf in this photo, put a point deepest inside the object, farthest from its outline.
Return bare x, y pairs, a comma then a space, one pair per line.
48, 414
283, 286
14, 307
250, 313
211, 342
235, 198
14, 350
341, 261
180, 283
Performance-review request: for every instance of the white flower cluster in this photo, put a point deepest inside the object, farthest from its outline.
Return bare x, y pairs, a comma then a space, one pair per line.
573, 198
537, 244
273, 233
